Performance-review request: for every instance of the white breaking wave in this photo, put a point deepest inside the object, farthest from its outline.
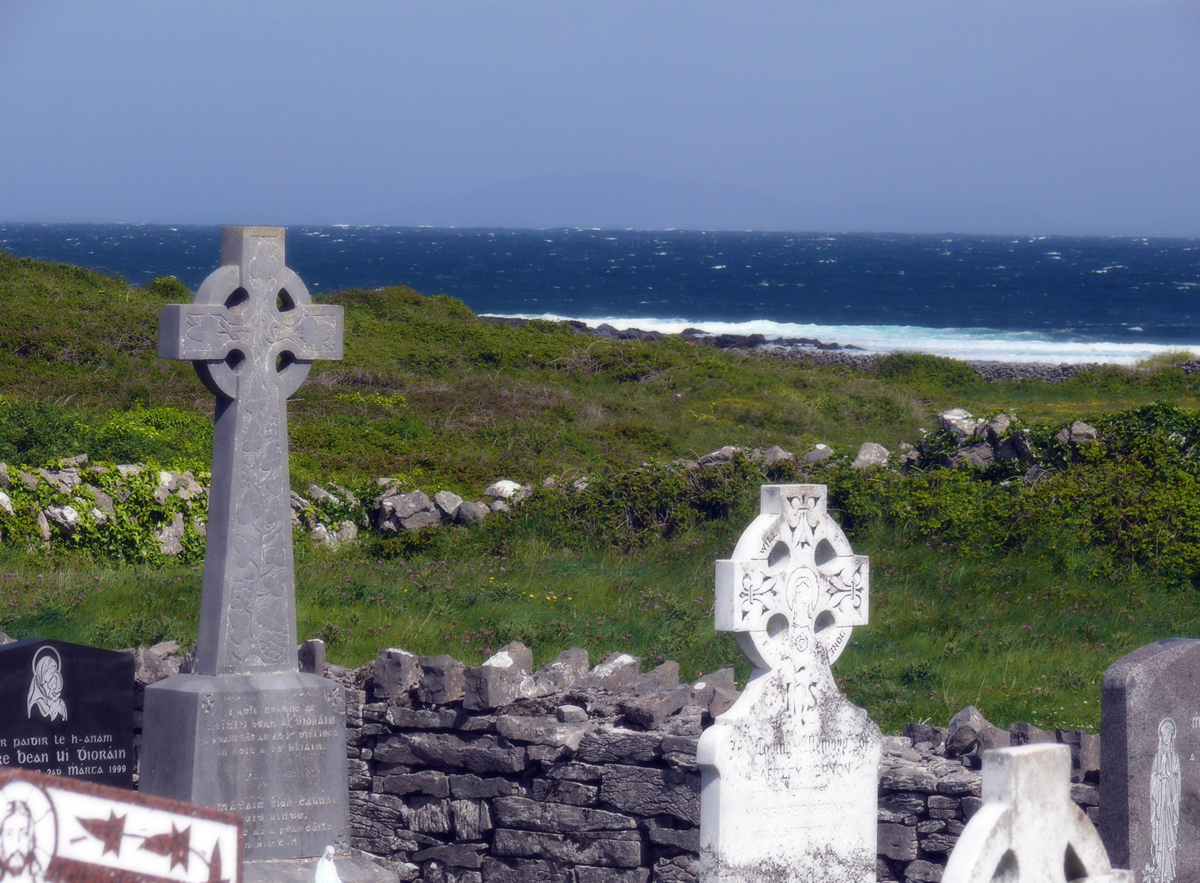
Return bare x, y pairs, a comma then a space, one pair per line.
966, 344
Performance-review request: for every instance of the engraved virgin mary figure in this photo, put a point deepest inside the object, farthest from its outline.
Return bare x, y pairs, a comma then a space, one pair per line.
45, 690
1164, 807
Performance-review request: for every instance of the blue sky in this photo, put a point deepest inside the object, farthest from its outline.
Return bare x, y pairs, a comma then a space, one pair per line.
974, 116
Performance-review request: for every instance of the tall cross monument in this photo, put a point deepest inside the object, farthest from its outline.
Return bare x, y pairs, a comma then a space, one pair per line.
246, 731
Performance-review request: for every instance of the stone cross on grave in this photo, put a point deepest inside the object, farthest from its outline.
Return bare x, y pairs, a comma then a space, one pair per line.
1028, 829
789, 773
252, 334
245, 730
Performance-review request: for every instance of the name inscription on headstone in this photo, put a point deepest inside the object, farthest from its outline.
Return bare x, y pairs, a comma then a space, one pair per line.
253, 729
67, 710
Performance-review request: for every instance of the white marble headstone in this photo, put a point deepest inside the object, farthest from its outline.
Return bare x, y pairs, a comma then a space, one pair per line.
789, 773
1028, 829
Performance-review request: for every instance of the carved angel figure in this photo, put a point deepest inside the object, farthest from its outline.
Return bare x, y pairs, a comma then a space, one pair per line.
45, 690
1164, 807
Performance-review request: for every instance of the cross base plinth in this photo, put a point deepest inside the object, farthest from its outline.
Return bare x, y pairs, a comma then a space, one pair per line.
271, 748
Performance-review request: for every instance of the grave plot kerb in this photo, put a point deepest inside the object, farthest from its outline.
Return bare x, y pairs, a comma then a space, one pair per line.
252, 334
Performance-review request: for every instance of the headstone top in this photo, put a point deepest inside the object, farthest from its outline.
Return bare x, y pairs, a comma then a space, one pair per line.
252, 334
1150, 749
67, 710
1028, 828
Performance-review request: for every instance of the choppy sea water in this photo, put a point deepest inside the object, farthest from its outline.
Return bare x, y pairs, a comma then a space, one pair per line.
982, 298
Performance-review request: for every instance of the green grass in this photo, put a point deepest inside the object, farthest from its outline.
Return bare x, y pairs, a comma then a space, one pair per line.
983, 591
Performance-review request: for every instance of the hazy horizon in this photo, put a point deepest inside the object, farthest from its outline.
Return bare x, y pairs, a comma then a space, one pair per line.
1002, 117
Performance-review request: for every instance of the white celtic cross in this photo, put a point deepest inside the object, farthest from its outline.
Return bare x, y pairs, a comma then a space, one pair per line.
1028, 829
252, 334
792, 580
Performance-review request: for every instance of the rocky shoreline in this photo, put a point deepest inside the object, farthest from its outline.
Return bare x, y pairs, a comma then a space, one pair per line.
817, 352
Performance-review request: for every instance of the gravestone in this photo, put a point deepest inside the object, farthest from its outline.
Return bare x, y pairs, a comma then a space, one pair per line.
67, 710
1150, 761
65, 831
1028, 829
247, 732
789, 773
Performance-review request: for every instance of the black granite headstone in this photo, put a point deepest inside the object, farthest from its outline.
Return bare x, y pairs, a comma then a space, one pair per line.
67, 710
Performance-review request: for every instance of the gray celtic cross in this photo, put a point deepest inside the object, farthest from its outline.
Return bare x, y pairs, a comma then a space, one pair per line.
252, 333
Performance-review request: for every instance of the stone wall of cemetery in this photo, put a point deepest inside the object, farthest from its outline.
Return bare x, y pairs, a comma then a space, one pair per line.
499, 774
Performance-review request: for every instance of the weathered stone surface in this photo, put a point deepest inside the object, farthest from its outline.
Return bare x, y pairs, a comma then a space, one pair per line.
651, 792
922, 871
403, 718
1150, 739
469, 512
456, 855
501, 680
966, 782
817, 454
964, 731
561, 791
680, 869
650, 711
525, 871
977, 456
561, 674
447, 503
870, 455
898, 842
909, 778
570, 714
609, 744
617, 670
472, 818
441, 681
476, 753
991, 737
584, 874
431, 782
620, 849
533, 815
469, 786
1028, 734
310, 657
719, 457
776, 454
960, 422
1029, 824
1079, 433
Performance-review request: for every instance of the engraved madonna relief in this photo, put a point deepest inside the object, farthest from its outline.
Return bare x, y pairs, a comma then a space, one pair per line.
1164, 807
45, 688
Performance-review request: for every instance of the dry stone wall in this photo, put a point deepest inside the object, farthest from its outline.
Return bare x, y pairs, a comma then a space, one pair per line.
578, 774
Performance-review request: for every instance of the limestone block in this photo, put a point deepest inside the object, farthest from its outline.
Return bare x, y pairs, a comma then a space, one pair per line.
477, 753
469, 786
898, 841
6, 503
652, 710
557, 791
1027, 734
719, 457
776, 454
455, 855
617, 670
650, 792
621, 849
525, 871
504, 678
870, 454
472, 819
447, 503
658, 678
585, 874
570, 714
66, 518
431, 782
817, 454
609, 744
396, 673
680, 869
534, 815
470, 512
960, 422
441, 681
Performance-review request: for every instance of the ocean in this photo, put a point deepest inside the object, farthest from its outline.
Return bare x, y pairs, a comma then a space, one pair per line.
979, 298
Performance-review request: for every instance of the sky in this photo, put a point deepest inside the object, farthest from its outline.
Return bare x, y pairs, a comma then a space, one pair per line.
969, 116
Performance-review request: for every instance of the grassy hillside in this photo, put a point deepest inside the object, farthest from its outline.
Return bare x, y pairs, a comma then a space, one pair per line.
984, 589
